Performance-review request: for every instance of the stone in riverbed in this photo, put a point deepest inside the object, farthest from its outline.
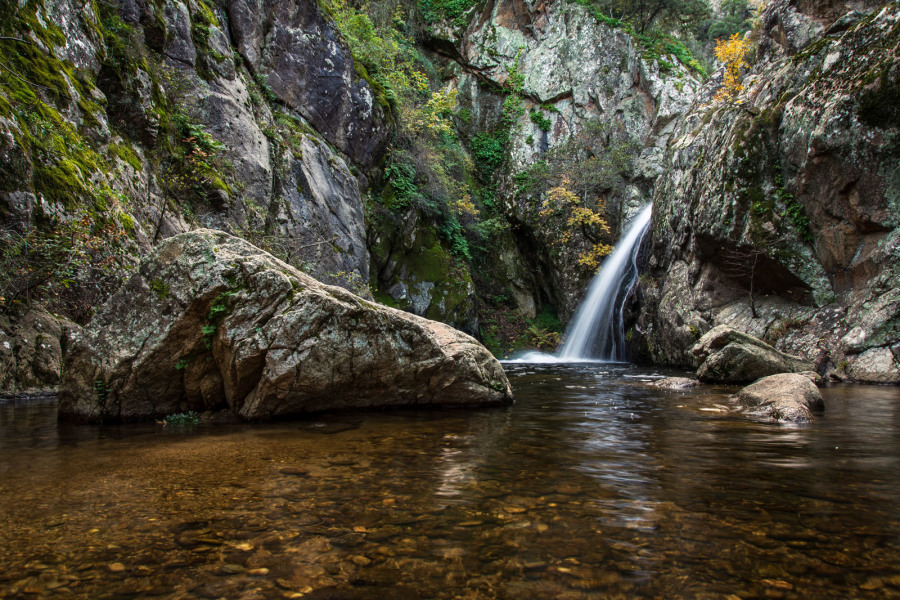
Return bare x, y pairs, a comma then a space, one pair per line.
211, 321
675, 383
730, 356
786, 397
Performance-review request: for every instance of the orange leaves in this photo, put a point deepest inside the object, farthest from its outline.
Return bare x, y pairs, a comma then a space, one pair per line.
733, 53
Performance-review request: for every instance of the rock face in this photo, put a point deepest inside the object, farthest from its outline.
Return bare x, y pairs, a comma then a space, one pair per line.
778, 214
304, 62
787, 397
576, 73
211, 321
31, 351
729, 356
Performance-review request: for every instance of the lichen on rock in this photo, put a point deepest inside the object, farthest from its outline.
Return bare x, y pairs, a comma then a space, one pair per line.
242, 330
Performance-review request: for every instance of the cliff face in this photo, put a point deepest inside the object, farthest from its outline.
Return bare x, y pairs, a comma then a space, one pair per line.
573, 74
778, 213
124, 123
247, 118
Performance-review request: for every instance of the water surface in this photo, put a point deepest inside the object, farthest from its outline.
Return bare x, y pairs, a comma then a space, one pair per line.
594, 485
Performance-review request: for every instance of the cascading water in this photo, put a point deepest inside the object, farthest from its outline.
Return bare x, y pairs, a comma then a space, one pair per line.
597, 330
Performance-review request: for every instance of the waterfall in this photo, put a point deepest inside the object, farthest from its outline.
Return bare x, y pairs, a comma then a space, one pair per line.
597, 330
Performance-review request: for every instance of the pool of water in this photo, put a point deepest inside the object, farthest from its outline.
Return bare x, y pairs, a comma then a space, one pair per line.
594, 485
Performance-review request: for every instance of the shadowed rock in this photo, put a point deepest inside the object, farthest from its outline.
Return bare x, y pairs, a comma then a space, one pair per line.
210, 320
729, 356
788, 397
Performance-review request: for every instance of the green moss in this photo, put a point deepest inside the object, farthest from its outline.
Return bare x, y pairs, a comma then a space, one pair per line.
61, 183
160, 288
125, 153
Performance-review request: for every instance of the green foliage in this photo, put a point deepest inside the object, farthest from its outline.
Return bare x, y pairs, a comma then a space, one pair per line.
734, 18
793, 209
102, 391
71, 265
489, 152
646, 15
452, 232
195, 166
540, 120
435, 11
400, 178
220, 306
505, 331
160, 288
638, 19
187, 418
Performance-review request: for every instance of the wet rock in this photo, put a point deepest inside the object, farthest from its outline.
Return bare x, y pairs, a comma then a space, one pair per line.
787, 397
278, 342
729, 356
675, 383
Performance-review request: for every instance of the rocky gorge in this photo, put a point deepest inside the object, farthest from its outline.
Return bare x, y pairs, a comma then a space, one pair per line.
126, 125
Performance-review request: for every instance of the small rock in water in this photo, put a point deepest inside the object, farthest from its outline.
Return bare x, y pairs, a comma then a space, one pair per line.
116, 567
675, 383
871, 584
294, 471
330, 428
777, 583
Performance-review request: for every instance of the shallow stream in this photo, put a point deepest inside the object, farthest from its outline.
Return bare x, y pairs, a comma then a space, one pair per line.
594, 485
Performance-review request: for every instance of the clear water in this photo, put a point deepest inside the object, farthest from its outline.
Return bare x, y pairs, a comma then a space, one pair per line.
594, 485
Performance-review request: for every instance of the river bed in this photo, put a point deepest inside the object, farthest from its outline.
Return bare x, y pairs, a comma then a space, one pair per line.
593, 485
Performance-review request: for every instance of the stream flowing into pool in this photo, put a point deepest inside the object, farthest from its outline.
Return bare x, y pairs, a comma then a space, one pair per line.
593, 485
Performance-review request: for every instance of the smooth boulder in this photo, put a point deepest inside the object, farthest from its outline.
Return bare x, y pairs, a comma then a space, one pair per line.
730, 356
211, 322
787, 397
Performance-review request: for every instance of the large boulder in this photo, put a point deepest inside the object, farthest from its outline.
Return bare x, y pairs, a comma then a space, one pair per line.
730, 356
787, 397
210, 321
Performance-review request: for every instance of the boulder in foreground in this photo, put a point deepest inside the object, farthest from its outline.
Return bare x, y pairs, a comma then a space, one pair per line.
787, 397
730, 356
212, 322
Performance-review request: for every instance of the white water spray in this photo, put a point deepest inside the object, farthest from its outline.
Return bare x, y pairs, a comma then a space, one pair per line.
597, 330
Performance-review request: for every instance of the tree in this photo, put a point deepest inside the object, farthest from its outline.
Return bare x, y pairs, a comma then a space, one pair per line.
734, 18
645, 15
563, 204
733, 53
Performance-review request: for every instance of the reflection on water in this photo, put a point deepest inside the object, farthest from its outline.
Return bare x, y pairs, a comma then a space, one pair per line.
593, 485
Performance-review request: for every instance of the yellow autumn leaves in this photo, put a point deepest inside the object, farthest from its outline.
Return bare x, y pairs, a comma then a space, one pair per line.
560, 200
733, 54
